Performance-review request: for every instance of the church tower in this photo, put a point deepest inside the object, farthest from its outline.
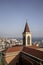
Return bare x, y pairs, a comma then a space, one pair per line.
27, 41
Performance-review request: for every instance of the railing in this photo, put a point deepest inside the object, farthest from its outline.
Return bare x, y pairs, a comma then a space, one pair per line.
31, 58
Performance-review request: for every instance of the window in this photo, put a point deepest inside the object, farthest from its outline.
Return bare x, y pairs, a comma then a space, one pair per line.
23, 40
28, 40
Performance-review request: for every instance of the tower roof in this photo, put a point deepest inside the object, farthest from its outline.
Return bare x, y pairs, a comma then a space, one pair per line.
26, 28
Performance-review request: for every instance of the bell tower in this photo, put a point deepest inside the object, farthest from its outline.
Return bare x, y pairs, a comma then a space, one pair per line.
27, 41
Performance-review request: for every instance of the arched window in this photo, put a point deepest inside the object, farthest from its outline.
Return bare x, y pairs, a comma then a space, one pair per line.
23, 40
28, 40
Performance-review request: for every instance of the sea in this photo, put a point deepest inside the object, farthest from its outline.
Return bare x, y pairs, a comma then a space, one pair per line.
37, 39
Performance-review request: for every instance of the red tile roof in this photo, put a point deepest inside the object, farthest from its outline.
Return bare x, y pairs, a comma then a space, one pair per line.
26, 28
13, 49
32, 50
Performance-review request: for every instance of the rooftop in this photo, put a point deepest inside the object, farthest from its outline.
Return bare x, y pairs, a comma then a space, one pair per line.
32, 50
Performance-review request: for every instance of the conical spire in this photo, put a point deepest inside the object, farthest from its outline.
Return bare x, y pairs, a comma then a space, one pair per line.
26, 27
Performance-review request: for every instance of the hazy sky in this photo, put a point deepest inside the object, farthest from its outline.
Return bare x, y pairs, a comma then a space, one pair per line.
13, 15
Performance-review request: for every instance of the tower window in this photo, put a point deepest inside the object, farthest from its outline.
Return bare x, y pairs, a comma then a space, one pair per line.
23, 40
28, 40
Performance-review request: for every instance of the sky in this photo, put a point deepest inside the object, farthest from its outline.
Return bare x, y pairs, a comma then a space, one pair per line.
13, 15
